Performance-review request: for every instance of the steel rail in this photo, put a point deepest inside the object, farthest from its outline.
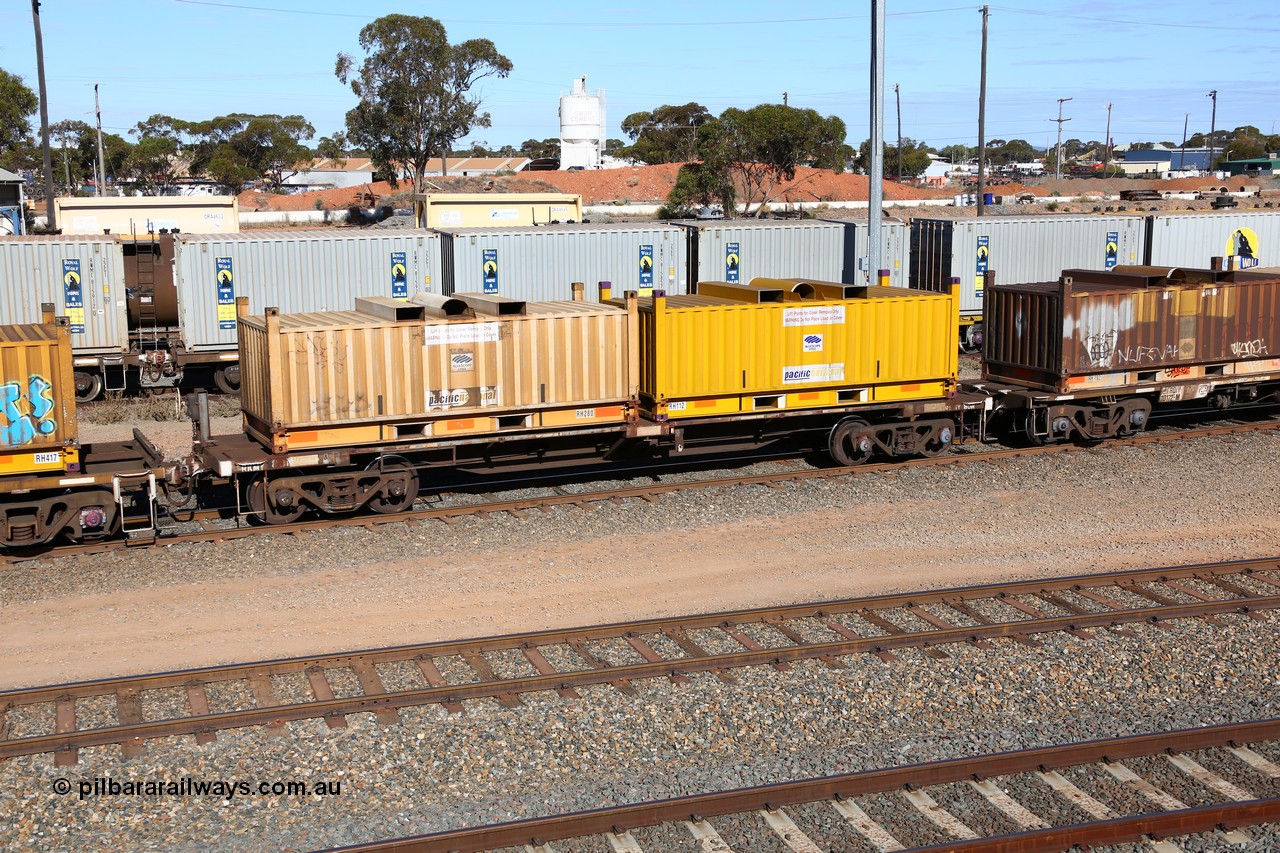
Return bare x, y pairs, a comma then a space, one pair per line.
699, 807
698, 661
547, 502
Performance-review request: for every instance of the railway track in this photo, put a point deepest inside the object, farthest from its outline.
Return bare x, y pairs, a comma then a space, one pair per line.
128, 711
214, 527
1011, 793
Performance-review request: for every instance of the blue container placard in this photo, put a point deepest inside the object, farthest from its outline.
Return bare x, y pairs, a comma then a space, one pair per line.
226, 288
73, 294
646, 270
1113, 249
732, 261
491, 271
399, 276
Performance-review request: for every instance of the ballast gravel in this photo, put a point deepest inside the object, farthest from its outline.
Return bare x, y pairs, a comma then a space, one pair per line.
434, 770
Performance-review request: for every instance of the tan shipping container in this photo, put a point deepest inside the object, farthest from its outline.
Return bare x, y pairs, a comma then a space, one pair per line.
434, 368
37, 399
138, 216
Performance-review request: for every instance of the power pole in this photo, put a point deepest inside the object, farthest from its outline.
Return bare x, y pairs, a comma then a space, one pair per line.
1182, 155
784, 99
1060, 120
875, 202
982, 116
102, 163
1213, 127
1106, 145
50, 218
898, 98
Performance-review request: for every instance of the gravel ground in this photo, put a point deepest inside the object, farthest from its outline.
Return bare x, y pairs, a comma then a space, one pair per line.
435, 771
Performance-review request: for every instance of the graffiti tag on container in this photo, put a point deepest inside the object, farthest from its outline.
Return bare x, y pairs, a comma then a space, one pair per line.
1099, 349
1175, 372
1255, 348
1146, 355
23, 427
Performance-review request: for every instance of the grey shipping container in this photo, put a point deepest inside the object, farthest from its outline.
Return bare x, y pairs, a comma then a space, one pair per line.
295, 271
538, 263
895, 252
738, 250
1192, 239
1018, 250
83, 276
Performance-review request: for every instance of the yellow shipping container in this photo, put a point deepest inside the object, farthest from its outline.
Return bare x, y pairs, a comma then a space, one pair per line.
476, 210
37, 400
788, 344
435, 367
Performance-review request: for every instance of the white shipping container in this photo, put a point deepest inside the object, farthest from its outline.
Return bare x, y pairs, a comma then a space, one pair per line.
1192, 239
742, 249
539, 263
295, 271
83, 276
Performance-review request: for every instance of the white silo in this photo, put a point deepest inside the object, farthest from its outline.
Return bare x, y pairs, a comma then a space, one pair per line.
581, 127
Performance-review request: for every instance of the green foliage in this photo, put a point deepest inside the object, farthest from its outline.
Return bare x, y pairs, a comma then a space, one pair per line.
414, 91
668, 134
535, 150
749, 152
958, 153
699, 185
333, 148
1012, 151
17, 104
915, 158
1053, 205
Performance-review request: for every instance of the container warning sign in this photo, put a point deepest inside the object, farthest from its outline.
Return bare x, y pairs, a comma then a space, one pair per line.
732, 260
646, 270
1113, 249
1243, 245
399, 276
73, 294
490, 271
983, 258
226, 286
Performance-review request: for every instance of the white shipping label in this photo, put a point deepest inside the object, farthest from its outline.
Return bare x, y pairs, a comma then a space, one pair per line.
816, 315
460, 333
451, 217
812, 373
813, 342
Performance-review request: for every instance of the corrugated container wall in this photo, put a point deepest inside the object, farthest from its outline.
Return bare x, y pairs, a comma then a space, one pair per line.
1084, 334
539, 263
35, 361
895, 252
738, 250
1018, 250
82, 276
1192, 239
295, 271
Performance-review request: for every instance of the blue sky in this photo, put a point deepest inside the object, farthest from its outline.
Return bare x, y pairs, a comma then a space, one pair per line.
1154, 62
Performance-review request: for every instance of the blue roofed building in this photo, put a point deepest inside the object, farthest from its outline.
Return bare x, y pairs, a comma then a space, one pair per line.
1161, 161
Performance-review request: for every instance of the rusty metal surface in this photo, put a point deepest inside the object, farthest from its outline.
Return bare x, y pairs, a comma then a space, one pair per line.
1139, 322
1026, 621
772, 797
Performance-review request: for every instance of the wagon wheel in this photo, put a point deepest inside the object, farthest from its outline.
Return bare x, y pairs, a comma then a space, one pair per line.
227, 379
106, 532
256, 498
399, 494
851, 442
88, 386
940, 440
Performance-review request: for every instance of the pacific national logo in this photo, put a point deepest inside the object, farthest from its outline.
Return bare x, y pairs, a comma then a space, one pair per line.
797, 375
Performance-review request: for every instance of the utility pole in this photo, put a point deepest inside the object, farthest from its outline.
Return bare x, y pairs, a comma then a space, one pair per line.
898, 98
1106, 145
51, 222
1213, 127
875, 202
102, 163
784, 99
1182, 155
1060, 120
982, 116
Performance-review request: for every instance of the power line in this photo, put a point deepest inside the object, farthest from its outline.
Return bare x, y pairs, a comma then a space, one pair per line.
1234, 29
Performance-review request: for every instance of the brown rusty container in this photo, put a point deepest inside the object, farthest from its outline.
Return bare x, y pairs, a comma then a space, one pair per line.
1132, 326
433, 368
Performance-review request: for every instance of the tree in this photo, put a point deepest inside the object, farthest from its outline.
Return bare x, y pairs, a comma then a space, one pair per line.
333, 148
415, 93
749, 152
614, 147
156, 160
1013, 151
247, 148
17, 103
956, 154
665, 135
535, 150
915, 158
65, 143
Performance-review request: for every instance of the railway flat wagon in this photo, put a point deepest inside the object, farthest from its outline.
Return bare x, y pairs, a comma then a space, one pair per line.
49, 484
364, 398
1021, 249
1251, 239
295, 271
83, 277
855, 357
1104, 348
537, 263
